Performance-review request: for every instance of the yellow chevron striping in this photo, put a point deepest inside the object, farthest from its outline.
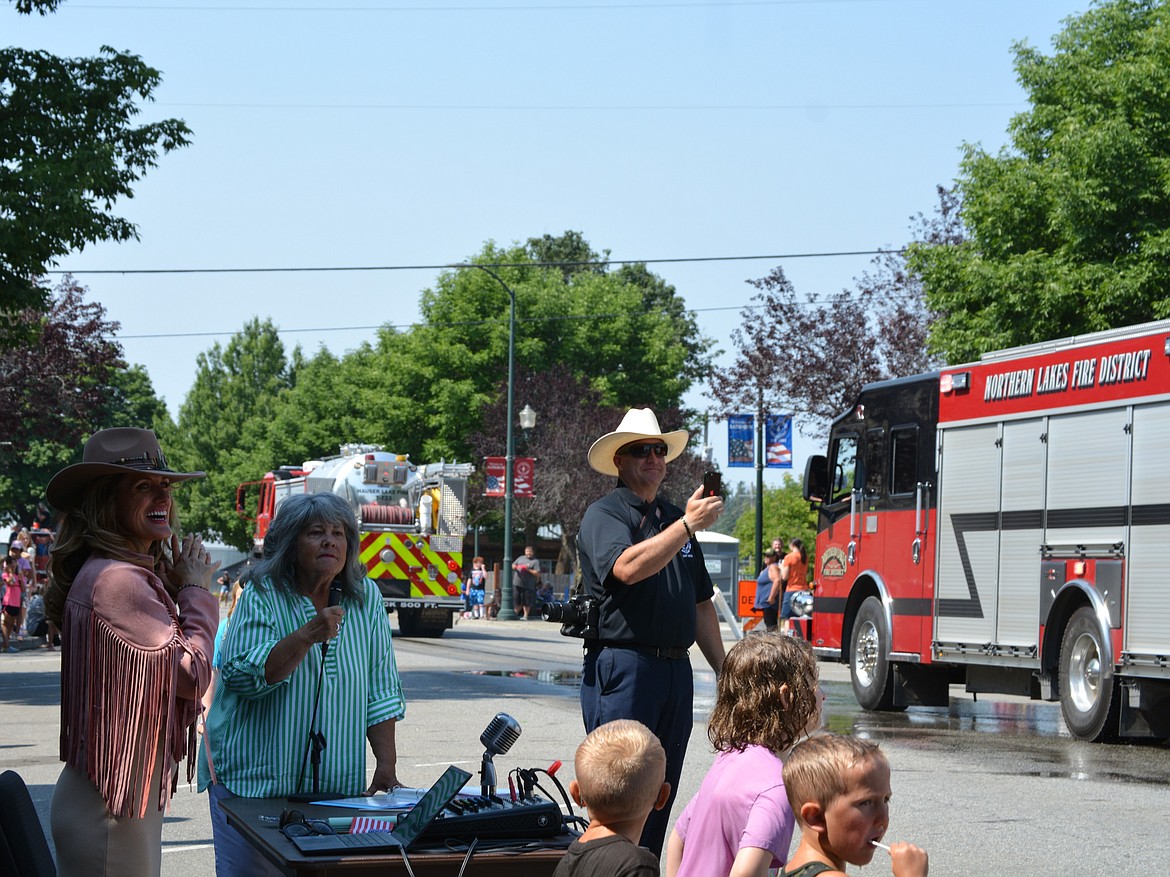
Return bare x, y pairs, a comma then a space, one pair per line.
376, 568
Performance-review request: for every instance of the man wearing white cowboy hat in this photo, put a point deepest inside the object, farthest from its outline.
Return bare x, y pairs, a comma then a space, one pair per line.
640, 560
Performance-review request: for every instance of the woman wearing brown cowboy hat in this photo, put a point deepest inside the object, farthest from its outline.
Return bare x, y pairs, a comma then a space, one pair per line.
137, 625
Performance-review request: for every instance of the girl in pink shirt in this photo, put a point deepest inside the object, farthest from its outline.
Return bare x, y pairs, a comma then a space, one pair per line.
740, 822
13, 585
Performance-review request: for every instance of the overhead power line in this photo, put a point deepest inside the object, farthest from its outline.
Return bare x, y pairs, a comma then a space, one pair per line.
582, 108
457, 265
456, 323
463, 7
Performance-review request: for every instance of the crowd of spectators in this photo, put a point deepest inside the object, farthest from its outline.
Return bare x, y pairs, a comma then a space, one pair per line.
24, 578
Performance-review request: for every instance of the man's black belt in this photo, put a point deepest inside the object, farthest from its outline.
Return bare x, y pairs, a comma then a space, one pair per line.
669, 653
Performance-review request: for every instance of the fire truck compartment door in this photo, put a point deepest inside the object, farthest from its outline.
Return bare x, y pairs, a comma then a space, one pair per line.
1146, 602
1022, 521
968, 542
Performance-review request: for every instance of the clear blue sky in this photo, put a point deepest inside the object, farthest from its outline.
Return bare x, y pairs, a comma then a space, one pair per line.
374, 132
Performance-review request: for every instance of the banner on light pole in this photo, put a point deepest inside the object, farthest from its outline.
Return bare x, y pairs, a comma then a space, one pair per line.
741, 443
778, 441
495, 471
523, 476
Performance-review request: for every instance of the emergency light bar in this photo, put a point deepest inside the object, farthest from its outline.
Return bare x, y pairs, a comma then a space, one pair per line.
956, 382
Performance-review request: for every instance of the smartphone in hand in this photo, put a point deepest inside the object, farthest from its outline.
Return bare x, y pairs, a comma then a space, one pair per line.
712, 483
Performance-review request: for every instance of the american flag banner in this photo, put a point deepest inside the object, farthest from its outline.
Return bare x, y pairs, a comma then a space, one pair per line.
778, 441
741, 446
495, 469
362, 824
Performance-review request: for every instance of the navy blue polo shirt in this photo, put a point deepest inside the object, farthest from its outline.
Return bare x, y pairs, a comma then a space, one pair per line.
658, 611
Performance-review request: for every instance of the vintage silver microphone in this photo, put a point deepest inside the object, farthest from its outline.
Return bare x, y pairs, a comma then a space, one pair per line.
499, 736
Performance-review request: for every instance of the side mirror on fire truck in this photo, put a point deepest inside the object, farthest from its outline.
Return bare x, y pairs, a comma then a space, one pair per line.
816, 478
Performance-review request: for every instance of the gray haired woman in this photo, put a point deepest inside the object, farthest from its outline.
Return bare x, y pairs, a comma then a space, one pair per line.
284, 642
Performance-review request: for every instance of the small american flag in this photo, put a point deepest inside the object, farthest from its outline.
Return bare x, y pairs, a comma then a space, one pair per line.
362, 824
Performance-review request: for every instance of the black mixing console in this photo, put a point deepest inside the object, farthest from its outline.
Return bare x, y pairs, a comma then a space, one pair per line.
493, 816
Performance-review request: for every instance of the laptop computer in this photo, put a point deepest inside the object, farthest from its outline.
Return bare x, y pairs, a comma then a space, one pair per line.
407, 830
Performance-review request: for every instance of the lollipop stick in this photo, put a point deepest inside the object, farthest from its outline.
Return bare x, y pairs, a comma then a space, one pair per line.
880, 846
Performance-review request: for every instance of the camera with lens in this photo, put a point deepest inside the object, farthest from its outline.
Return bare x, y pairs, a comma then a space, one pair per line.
580, 616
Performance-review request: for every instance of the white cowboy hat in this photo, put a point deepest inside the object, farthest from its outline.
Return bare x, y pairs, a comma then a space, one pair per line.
638, 424
111, 452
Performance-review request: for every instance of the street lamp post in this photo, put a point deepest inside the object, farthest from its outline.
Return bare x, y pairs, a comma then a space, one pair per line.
507, 606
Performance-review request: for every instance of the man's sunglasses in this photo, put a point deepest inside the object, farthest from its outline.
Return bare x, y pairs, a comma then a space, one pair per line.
643, 451
294, 824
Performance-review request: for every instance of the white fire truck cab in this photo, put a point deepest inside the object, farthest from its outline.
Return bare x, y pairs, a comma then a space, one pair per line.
1005, 524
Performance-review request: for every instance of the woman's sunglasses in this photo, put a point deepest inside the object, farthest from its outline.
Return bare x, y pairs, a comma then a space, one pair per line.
643, 451
294, 824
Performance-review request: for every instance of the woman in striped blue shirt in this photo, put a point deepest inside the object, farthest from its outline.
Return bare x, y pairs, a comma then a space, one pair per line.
282, 638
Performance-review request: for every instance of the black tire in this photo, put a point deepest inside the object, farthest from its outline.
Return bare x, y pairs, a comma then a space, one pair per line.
1089, 697
409, 626
869, 663
408, 622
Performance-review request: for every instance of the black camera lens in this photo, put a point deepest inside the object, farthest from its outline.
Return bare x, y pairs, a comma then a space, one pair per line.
554, 612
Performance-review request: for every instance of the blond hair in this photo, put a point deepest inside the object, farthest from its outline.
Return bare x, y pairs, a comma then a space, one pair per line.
749, 709
817, 770
620, 767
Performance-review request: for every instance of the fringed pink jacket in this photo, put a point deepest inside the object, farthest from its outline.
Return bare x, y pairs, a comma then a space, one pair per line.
133, 667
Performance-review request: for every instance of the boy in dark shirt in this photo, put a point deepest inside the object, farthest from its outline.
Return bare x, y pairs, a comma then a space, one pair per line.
620, 777
839, 789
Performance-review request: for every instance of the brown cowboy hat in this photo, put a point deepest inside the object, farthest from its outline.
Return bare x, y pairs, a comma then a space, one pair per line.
111, 452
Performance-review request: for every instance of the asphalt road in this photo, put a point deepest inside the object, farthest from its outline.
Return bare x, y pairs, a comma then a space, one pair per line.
987, 787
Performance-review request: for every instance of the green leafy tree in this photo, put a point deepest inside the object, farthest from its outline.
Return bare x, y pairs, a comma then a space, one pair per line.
739, 500
810, 356
786, 514
624, 332
622, 337
1068, 227
331, 401
64, 381
570, 417
68, 152
223, 428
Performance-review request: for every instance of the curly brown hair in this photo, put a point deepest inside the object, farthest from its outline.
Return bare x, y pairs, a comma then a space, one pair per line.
767, 694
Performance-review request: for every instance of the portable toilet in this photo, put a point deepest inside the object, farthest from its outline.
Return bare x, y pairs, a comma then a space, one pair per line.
721, 554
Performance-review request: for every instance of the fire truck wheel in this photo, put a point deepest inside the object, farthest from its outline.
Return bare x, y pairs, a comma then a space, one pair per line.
1088, 691
407, 622
410, 625
869, 664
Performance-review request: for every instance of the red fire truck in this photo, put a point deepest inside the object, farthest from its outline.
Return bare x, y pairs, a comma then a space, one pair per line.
1006, 524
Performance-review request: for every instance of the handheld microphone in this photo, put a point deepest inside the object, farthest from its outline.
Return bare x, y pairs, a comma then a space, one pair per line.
334, 600
499, 736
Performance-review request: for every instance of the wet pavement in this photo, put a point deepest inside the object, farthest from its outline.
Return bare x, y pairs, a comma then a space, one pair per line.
986, 785
1013, 730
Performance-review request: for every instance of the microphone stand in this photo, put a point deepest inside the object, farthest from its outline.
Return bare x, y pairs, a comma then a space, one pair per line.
487, 776
316, 742
315, 745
